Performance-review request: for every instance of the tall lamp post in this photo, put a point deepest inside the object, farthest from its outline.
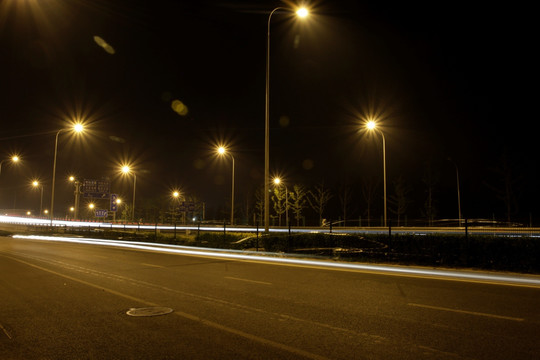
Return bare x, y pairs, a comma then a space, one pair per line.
77, 128
127, 170
458, 194
222, 151
36, 184
13, 159
302, 12
372, 126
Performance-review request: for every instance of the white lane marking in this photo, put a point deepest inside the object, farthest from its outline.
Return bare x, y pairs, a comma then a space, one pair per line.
152, 265
5, 331
467, 312
247, 280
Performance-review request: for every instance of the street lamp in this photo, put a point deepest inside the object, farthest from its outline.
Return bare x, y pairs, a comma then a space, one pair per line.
77, 195
118, 201
302, 12
222, 151
91, 208
372, 126
127, 170
36, 184
175, 196
13, 159
277, 181
76, 128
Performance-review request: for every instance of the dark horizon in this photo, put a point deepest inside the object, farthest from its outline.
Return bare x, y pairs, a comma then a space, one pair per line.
444, 82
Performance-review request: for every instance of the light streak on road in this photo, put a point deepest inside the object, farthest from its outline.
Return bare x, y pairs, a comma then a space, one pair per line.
529, 281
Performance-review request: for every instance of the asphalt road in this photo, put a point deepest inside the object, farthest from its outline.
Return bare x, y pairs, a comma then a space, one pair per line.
70, 301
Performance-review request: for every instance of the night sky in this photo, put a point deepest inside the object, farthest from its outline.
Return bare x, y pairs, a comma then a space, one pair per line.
448, 80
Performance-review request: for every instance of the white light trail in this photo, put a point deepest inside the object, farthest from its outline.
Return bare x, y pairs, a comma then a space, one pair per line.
531, 281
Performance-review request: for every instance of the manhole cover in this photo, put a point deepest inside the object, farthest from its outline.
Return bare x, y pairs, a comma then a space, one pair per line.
149, 311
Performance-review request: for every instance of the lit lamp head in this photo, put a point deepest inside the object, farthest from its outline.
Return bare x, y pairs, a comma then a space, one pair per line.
35, 183
371, 125
78, 127
221, 150
302, 12
277, 181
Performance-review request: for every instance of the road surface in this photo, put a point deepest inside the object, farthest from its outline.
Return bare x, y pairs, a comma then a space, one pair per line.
70, 301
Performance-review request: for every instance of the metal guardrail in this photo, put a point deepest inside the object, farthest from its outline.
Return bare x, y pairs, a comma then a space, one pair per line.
13, 222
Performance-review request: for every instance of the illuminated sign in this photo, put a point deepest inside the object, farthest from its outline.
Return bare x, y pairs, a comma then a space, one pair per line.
96, 188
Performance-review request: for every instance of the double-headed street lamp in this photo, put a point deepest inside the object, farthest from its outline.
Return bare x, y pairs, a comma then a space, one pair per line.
222, 151
36, 184
76, 128
77, 195
302, 12
372, 126
126, 169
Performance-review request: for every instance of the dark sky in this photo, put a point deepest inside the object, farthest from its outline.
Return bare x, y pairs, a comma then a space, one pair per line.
445, 80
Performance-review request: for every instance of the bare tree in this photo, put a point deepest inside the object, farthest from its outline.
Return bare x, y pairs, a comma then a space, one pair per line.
345, 199
279, 199
504, 188
400, 200
298, 202
369, 187
259, 203
318, 200
430, 179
